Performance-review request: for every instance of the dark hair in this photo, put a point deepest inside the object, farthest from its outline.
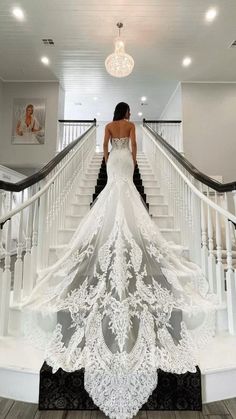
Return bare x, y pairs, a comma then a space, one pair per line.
120, 111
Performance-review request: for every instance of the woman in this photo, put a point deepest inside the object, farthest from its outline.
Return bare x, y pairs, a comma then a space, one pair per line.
126, 304
28, 123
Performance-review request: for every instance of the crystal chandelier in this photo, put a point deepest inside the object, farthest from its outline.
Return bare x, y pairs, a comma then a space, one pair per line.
119, 64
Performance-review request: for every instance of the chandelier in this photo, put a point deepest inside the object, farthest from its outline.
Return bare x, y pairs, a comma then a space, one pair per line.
119, 64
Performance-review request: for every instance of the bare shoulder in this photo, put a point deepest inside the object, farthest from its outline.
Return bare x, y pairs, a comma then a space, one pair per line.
108, 125
131, 126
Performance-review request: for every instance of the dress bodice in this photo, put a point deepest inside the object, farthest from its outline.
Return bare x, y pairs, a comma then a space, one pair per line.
120, 143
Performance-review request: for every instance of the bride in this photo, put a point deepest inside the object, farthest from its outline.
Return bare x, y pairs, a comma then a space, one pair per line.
126, 302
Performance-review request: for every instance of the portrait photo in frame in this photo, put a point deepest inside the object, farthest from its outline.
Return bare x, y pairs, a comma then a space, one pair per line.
28, 121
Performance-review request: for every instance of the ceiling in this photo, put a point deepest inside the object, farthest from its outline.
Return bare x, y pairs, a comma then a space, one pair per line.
158, 34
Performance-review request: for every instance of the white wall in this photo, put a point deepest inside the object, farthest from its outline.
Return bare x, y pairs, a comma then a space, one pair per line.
209, 127
173, 108
30, 156
1, 104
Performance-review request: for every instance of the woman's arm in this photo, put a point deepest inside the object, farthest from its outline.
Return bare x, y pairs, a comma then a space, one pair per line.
18, 131
36, 127
133, 143
106, 142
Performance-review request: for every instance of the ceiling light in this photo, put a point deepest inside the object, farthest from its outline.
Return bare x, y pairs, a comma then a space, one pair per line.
45, 60
18, 13
143, 98
140, 113
98, 114
119, 64
95, 98
210, 15
187, 61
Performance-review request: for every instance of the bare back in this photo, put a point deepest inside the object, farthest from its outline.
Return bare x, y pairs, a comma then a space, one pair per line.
120, 129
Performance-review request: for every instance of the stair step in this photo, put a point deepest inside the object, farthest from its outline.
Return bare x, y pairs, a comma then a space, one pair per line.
143, 165
65, 235
164, 221
92, 171
88, 182
95, 165
72, 221
152, 190
85, 190
91, 176
53, 257
155, 198
171, 234
158, 209
79, 209
151, 184
83, 198
148, 176
146, 172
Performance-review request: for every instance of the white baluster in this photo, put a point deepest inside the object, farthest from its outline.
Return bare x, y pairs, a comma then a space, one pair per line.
196, 220
18, 268
219, 265
27, 280
230, 282
204, 248
211, 257
6, 282
42, 232
34, 243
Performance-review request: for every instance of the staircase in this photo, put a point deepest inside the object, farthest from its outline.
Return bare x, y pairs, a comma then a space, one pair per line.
78, 207
155, 181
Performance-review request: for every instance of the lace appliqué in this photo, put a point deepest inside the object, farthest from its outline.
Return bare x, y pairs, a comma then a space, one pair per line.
126, 303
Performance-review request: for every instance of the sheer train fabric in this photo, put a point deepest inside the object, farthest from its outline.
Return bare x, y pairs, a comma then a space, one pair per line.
122, 301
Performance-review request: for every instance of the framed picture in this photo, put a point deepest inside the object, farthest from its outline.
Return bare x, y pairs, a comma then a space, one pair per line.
28, 125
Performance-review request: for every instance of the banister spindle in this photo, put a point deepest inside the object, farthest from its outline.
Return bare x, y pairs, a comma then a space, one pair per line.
18, 268
211, 257
219, 265
6, 279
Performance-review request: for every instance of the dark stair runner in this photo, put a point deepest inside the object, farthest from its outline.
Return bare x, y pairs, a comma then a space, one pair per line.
65, 391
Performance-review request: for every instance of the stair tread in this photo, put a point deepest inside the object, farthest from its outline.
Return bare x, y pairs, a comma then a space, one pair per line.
169, 229
58, 246
80, 203
159, 204
75, 215
67, 229
162, 216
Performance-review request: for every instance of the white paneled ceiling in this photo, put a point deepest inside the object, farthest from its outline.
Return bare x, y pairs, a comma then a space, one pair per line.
158, 34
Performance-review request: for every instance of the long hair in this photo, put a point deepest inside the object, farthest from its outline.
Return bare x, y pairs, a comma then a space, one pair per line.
120, 111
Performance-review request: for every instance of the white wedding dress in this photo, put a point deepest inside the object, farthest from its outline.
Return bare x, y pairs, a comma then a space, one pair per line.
126, 302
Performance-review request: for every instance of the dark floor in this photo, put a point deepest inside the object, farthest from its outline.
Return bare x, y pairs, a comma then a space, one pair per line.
10, 409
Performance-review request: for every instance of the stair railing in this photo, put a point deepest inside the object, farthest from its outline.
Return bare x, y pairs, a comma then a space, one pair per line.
70, 129
45, 198
199, 206
169, 130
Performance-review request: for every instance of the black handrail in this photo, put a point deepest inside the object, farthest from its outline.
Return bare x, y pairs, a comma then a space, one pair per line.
161, 121
207, 180
42, 173
79, 121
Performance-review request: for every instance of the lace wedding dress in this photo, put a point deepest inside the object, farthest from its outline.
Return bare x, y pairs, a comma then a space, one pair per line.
126, 302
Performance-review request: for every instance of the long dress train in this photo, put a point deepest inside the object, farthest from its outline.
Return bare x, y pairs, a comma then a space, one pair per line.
125, 302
